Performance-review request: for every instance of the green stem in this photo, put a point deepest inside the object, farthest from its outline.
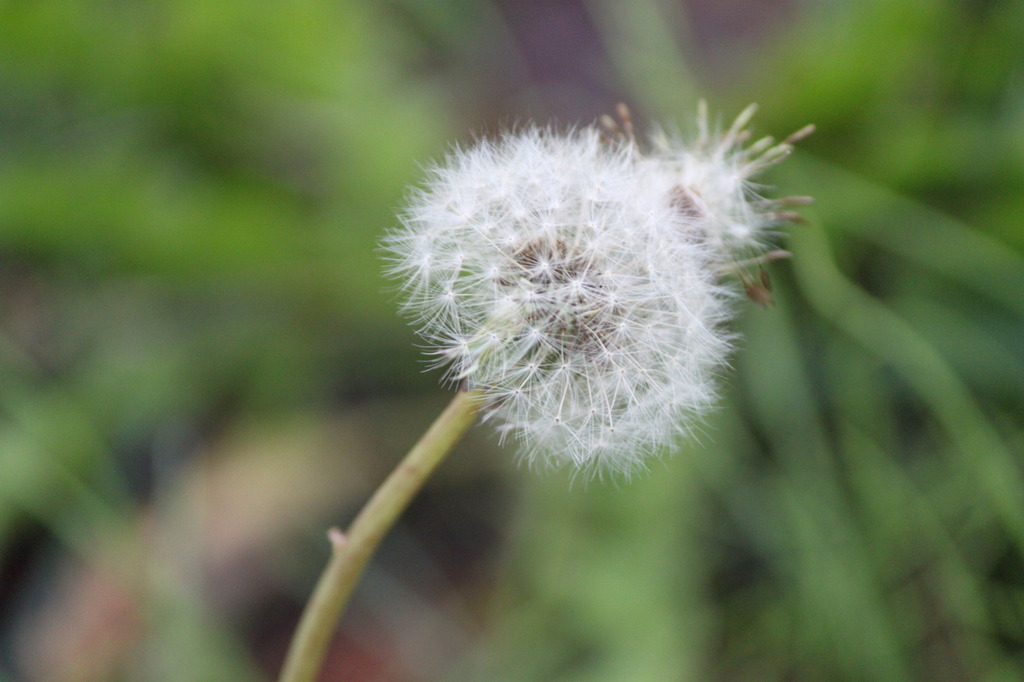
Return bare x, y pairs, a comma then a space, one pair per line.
351, 552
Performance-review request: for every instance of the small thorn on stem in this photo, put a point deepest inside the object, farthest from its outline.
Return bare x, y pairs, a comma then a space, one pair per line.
337, 537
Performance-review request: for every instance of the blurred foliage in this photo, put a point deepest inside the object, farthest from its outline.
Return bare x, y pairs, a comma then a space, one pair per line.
200, 367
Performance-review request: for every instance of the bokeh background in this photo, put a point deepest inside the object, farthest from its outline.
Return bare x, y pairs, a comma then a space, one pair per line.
201, 367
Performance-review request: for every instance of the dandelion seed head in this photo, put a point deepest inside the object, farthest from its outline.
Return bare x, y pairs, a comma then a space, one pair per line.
576, 281
714, 187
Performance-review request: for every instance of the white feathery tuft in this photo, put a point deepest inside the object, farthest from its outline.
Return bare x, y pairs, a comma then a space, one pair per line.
576, 281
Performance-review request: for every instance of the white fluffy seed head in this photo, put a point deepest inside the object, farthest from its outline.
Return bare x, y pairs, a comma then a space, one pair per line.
712, 183
565, 275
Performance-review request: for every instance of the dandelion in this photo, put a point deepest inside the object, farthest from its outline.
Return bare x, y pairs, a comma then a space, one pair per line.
576, 285
574, 280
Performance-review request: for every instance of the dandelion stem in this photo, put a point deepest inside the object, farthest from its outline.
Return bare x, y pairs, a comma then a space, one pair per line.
351, 551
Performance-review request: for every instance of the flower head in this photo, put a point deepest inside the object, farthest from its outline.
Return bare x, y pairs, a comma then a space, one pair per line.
713, 182
565, 276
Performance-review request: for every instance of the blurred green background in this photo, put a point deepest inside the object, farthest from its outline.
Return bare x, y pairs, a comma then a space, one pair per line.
201, 367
